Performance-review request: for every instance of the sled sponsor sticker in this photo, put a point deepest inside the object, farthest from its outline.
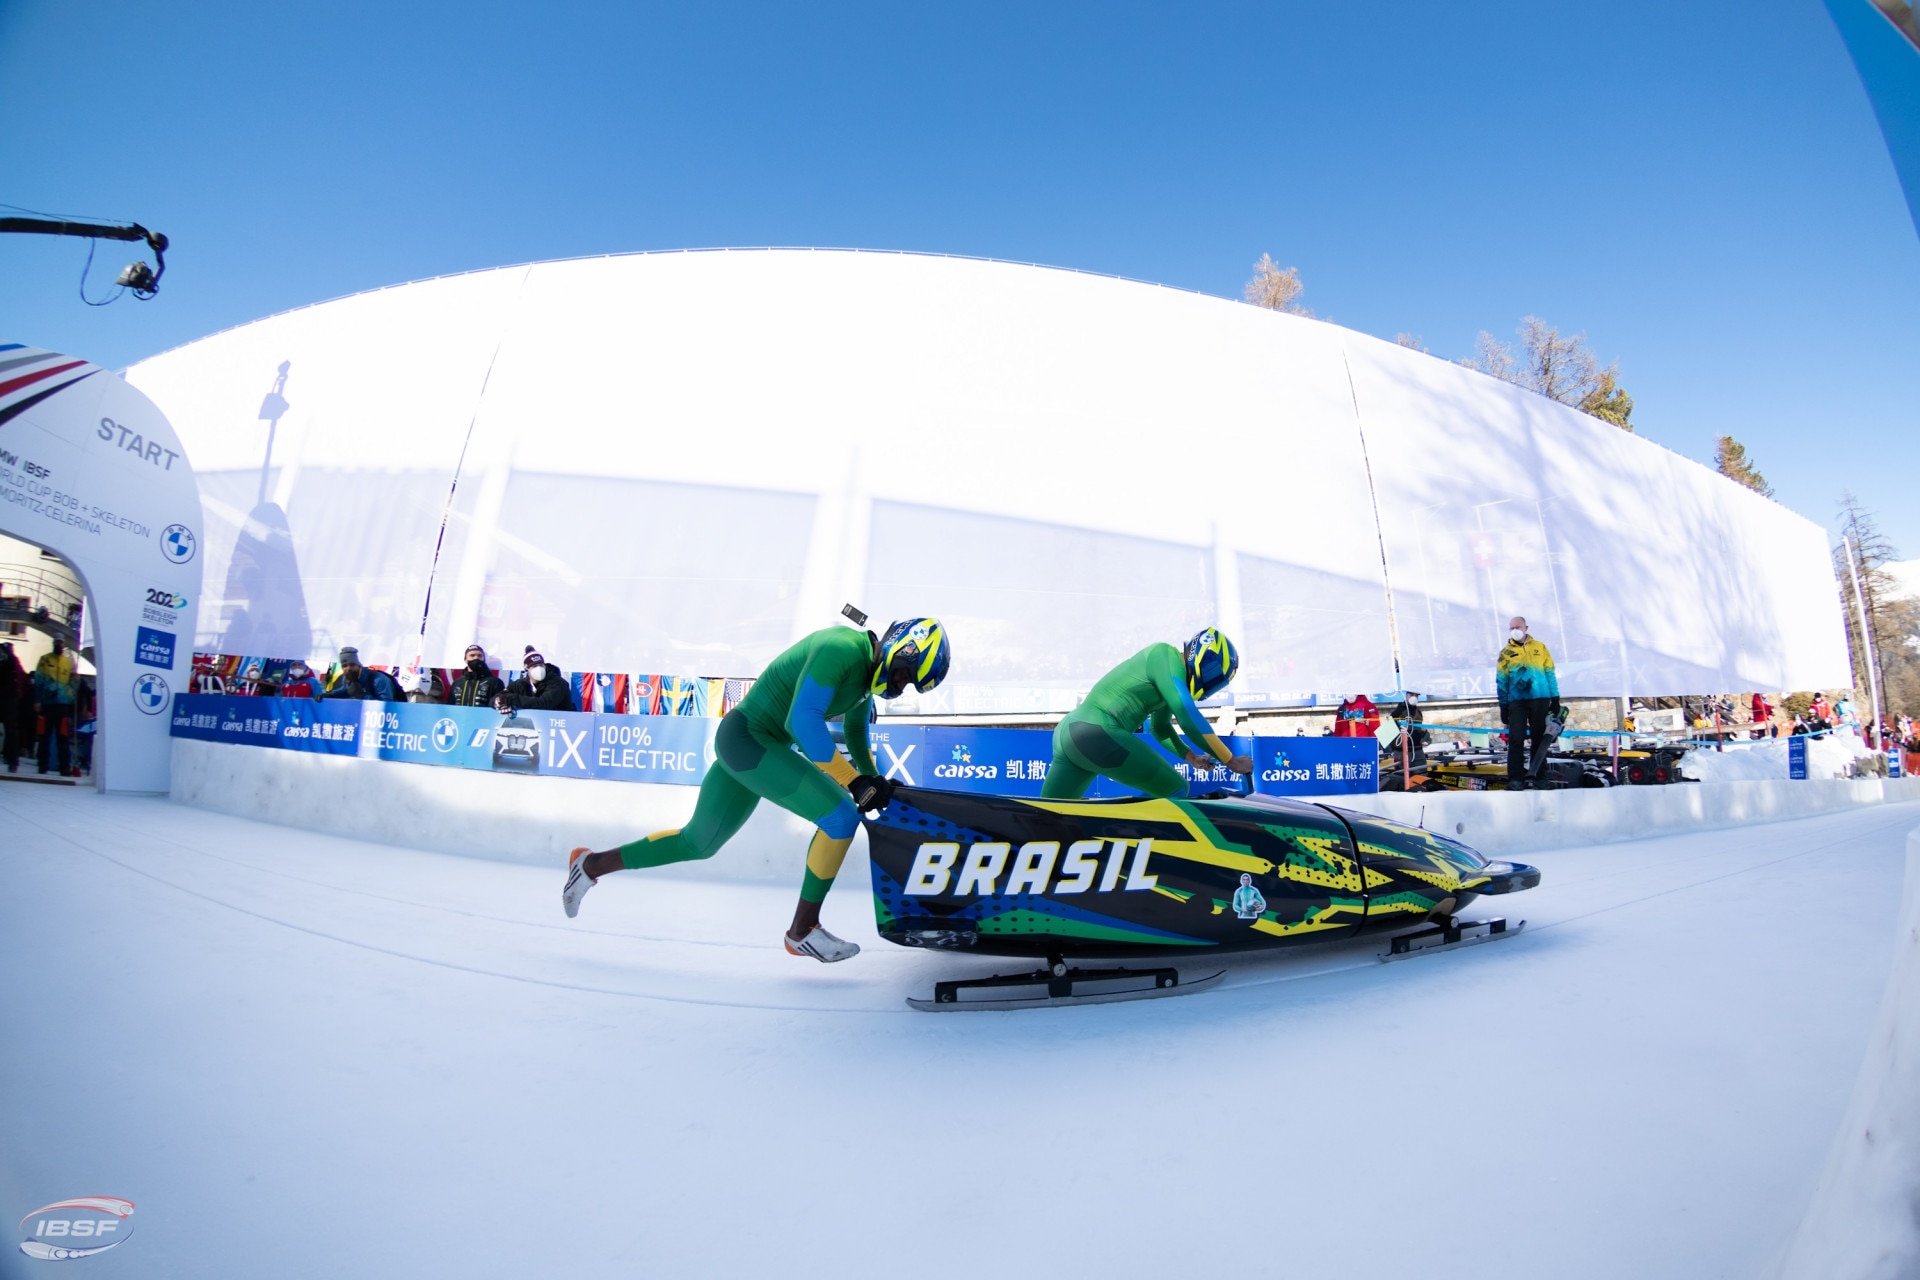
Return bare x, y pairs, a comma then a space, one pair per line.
1248, 902
76, 1228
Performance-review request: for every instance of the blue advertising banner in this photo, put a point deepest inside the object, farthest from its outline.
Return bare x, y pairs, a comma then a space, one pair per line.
294, 724
1316, 766
1797, 756
572, 744
679, 749
1013, 762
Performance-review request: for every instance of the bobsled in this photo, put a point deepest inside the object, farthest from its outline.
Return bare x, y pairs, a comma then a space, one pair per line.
1060, 880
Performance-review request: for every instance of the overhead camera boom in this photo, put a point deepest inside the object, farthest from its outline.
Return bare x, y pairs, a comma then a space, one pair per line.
143, 280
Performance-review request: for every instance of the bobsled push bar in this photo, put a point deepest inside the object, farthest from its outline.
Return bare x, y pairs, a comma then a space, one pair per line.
1448, 935
1058, 985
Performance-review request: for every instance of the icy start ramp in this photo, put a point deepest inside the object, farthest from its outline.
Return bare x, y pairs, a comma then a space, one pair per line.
305, 1056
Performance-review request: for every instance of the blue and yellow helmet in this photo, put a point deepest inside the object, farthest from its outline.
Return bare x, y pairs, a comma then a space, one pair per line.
1211, 661
913, 652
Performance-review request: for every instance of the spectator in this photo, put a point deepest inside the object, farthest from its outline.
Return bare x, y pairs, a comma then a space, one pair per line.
421, 684
356, 681
299, 682
1358, 717
1800, 727
540, 688
1527, 687
16, 708
53, 692
1408, 712
477, 685
1762, 715
85, 723
253, 682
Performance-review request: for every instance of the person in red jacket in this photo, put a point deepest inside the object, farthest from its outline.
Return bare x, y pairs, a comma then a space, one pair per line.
1358, 717
1762, 715
299, 682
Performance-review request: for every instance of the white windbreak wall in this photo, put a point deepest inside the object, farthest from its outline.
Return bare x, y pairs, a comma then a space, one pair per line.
679, 462
1643, 570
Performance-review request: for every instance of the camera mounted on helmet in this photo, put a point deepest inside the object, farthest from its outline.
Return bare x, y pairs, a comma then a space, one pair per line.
913, 652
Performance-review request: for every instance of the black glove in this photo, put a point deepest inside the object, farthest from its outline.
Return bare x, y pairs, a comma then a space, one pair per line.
870, 792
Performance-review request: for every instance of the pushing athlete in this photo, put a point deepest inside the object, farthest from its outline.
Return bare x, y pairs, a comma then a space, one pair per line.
1155, 687
776, 746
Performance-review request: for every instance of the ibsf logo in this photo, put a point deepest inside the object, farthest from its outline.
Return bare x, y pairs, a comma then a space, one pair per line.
77, 1228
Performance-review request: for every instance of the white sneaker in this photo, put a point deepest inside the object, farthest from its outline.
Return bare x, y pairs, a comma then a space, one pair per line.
578, 882
823, 946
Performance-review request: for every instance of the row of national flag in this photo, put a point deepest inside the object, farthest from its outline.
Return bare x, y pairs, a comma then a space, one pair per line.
608, 692
618, 693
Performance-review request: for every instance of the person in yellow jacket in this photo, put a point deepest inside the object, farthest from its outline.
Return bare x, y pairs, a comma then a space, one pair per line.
1525, 683
53, 692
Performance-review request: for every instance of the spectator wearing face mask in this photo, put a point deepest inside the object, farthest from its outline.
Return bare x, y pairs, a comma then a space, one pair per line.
1527, 687
477, 686
299, 682
356, 681
539, 688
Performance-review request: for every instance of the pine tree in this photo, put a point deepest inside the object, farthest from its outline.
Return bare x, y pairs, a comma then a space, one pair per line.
1730, 460
1608, 402
1892, 619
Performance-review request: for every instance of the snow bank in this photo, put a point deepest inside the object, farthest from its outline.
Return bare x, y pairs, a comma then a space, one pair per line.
1864, 1221
1828, 757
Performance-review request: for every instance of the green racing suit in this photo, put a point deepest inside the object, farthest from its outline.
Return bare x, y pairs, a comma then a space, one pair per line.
1100, 736
776, 746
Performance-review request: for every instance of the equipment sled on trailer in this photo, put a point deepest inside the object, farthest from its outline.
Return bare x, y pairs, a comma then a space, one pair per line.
1176, 880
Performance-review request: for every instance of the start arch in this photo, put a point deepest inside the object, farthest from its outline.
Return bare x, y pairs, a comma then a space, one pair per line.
92, 471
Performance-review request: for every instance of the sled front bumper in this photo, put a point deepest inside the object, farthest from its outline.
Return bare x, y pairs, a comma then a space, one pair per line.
1502, 877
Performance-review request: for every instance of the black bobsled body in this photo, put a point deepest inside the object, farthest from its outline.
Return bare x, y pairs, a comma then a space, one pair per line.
1003, 876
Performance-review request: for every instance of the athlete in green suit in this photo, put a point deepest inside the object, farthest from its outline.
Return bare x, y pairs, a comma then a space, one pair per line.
1154, 688
776, 746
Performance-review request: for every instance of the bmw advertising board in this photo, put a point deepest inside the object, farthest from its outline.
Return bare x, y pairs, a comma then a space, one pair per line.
568, 744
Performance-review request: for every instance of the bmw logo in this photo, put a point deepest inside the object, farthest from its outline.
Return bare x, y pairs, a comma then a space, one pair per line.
445, 734
178, 544
151, 695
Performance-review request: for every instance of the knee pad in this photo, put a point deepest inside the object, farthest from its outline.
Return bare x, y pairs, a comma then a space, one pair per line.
842, 822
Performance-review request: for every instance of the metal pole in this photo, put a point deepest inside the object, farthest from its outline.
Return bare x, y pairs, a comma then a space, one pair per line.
1379, 532
1866, 642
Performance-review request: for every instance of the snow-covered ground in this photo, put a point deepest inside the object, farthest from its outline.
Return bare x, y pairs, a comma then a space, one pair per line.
303, 1056
1828, 756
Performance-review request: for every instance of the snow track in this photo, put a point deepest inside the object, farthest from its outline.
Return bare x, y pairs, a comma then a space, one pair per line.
306, 1056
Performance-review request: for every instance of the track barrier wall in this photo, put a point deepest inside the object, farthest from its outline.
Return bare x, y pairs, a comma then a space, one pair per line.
678, 750
343, 784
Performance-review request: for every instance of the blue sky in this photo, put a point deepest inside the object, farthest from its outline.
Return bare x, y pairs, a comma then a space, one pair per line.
1700, 187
